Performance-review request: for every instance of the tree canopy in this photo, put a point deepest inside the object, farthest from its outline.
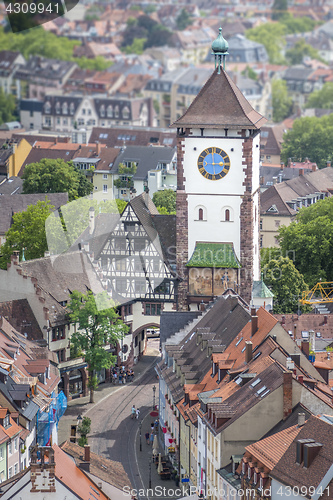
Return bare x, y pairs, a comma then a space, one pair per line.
281, 102
301, 49
323, 98
27, 232
98, 325
165, 201
284, 280
55, 176
310, 137
310, 237
38, 41
183, 20
7, 107
145, 28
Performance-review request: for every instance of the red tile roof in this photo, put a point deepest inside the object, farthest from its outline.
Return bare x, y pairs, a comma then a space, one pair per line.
268, 451
74, 478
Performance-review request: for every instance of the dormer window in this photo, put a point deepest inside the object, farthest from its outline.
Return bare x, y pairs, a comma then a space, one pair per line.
65, 108
6, 422
243, 468
57, 108
255, 478
249, 473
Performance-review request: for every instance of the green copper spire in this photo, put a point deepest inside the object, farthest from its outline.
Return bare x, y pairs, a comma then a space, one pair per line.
23, 256
220, 50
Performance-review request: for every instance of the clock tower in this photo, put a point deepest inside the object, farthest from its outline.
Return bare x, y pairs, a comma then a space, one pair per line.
218, 152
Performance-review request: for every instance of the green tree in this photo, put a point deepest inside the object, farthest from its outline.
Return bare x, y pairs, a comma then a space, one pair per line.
183, 20
310, 137
310, 237
83, 429
27, 232
282, 103
323, 98
99, 63
301, 49
136, 47
7, 107
279, 8
286, 282
98, 325
165, 201
55, 176
272, 36
294, 25
64, 228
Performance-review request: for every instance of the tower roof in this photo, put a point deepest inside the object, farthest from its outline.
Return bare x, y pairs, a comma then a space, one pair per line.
220, 104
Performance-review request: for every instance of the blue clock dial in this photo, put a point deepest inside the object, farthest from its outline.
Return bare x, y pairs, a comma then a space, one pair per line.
213, 163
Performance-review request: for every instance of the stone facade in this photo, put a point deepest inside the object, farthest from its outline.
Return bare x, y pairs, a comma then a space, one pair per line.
182, 228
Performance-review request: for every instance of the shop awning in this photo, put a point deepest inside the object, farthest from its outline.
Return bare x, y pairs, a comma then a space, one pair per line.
215, 255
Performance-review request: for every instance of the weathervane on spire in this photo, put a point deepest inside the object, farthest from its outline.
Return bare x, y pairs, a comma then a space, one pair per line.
220, 50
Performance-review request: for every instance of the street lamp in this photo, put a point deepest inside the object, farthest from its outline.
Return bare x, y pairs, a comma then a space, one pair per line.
154, 390
140, 427
149, 463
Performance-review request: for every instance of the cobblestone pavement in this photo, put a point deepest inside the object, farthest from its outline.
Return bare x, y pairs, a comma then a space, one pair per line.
115, 435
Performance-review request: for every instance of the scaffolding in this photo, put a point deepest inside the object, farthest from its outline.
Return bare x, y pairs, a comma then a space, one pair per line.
46, 420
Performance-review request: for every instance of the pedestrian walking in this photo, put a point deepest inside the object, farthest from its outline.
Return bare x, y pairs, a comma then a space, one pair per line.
152, 438
147, 436
115, 377
133, 411
137, 413
152, 427
120, 378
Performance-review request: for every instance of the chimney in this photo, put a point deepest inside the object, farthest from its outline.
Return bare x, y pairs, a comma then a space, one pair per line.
301, 171
300, 449
328, 164
47, 253
86, 453
295, 329
1, 321
314, 167
290, 365
283, 320
300, 419
202, 306
300, 379
254, 325
287, 394
305, 348
15, 257
325, 317
248, 351
311, 450
91, 220
98, 148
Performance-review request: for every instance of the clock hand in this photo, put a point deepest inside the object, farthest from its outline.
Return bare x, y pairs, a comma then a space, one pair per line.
213, 163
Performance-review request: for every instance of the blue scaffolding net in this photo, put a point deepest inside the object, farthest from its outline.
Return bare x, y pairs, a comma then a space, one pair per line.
46, 420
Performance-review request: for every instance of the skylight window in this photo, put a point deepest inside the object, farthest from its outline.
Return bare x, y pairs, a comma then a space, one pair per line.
262, 389
305, 335
255, 382
238, 380
243, 349
239, 341
264, 394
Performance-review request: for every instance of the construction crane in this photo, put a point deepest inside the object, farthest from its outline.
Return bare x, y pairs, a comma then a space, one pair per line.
321, 293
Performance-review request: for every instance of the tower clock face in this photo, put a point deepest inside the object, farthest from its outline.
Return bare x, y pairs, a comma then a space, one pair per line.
213, 163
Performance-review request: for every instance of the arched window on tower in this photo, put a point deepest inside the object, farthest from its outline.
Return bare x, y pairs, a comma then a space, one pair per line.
200, 213
227, 214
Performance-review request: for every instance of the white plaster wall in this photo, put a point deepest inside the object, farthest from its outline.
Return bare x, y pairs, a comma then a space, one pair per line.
214, 194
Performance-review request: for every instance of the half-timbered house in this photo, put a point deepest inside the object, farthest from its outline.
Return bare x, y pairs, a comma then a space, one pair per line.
136, 259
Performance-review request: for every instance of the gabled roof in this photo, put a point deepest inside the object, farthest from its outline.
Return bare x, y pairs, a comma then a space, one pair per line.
147, 158
220, 104
290, 473
11, 204
268, 451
